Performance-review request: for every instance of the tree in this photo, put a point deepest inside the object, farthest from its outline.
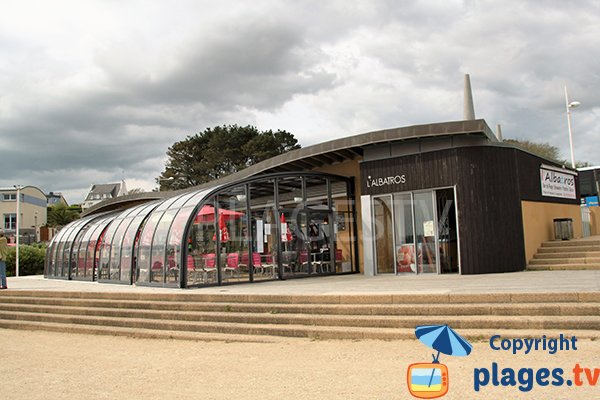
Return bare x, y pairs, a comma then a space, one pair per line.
221, 151
544, 150
61, 215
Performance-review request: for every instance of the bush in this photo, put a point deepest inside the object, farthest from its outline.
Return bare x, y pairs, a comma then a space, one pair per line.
31, 260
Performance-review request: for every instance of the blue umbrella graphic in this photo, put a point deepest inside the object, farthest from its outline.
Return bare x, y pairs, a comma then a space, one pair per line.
443, 339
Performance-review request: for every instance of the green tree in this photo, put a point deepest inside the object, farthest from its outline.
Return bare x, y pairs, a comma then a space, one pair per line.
220, 151
61, 215
545, 150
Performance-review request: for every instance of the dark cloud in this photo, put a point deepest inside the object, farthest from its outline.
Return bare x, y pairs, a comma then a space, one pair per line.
81, 105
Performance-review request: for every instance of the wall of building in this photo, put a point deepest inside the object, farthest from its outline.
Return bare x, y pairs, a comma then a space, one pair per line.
33, 208
538, 222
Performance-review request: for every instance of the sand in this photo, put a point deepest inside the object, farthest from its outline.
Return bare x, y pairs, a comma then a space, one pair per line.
43, 365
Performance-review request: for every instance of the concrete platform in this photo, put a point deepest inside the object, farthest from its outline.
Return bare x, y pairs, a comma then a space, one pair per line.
516, 282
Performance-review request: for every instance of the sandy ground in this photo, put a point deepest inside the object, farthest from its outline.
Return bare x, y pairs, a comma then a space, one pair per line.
42, 365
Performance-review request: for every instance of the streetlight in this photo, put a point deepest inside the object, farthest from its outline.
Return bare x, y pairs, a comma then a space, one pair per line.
18, 221
570, 105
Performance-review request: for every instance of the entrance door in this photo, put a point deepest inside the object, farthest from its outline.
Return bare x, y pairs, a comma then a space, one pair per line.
447, 231
425, 229
404, 232
384, 234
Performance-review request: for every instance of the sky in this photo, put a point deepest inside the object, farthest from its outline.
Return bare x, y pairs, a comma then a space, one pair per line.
96, 91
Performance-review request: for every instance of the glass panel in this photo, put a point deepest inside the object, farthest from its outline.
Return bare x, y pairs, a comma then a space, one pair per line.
128, 260
151, 262
319, 229
93, 247
85, 269
105, 247
174, 243
233, 230
145, 262
291, 240
202, 265
169, 271
384, 234
115, 251
343, 227
320, 242
406, 260
75, 250
263, 230
425, 232
447, 230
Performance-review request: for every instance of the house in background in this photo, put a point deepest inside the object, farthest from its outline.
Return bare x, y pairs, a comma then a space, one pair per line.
102, 192
54, 198
33, 210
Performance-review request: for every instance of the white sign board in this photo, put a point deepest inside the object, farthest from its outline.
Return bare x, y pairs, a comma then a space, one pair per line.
557, 184
428, 229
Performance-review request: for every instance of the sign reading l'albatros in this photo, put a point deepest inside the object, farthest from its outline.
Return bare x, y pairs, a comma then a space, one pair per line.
557, 184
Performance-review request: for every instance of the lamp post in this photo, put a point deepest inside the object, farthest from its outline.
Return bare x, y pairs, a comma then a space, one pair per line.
18, 222
570, 105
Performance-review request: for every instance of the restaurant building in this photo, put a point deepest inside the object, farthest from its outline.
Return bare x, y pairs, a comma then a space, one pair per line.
442, 198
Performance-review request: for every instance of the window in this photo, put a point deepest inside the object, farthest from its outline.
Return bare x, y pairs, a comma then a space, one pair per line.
9, 197
10, 221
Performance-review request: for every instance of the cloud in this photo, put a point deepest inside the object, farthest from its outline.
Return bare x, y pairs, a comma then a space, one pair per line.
94, 91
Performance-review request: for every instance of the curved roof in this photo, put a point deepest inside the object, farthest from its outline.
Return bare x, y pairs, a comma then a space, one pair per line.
321, 154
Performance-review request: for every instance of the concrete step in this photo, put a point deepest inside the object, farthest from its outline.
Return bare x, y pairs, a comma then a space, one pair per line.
562, 267
183, 296
332, 328
572, 243
135, 333
567, 249
202, 316
549, 261
398, 334
98, 307
582, 254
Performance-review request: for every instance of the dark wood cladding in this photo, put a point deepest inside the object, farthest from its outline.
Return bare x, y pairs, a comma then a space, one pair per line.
490, 183
530, 186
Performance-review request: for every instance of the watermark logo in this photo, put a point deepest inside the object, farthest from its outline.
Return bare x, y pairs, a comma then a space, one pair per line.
431, 380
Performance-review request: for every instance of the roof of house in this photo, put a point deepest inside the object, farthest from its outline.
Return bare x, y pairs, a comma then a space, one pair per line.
108, 188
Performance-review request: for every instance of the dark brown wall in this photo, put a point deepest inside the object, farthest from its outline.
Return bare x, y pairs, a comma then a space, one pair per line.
530, 186
488, 199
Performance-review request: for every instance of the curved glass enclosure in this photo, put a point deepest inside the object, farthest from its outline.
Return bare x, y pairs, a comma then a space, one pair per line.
276, 226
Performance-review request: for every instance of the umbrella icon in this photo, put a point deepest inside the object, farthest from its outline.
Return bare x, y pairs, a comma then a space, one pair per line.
443, 339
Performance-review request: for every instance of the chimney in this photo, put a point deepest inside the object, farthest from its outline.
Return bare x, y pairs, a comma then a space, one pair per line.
468, 108
499, 132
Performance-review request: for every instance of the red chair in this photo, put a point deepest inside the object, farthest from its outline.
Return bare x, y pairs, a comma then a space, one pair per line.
233, 264
209, 260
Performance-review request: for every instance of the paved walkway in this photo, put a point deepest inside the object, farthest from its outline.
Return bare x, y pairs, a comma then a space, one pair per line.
516, 282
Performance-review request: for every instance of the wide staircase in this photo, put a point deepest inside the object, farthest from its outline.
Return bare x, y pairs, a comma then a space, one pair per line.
574, 254
265, 318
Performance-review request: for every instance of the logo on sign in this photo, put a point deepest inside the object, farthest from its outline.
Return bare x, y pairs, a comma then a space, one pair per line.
388, 180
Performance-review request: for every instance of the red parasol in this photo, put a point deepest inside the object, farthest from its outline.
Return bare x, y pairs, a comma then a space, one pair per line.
286, 235
207, 214
222, 229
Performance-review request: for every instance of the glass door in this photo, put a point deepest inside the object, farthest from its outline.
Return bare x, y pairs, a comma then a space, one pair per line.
384, 235
425, 229
447, 230
404, 232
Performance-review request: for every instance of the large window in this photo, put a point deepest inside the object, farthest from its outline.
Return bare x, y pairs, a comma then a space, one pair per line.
10, 222
9, 197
